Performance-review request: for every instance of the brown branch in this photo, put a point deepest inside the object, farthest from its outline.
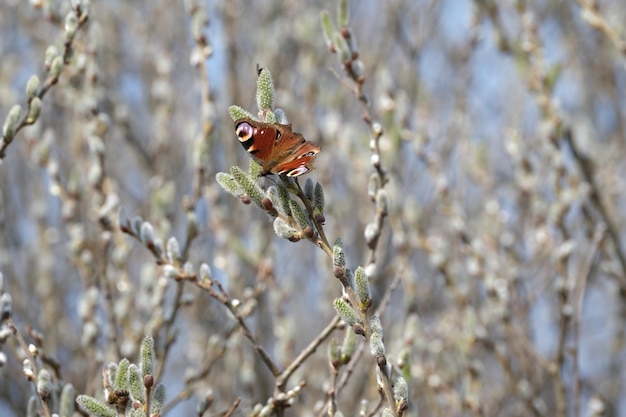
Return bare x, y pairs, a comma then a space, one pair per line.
283, 378
223, 297
233, 407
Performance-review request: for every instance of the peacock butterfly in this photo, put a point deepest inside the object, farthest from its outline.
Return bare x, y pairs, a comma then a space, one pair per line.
277, 148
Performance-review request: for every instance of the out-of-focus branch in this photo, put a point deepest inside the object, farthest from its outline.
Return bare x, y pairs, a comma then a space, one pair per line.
55, 63
591, 14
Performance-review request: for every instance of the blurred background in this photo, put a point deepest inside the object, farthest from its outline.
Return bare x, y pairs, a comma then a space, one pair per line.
504, 144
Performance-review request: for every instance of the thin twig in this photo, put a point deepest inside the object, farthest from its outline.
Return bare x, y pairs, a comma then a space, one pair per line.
223, 297
579, 295
592, 16
332, 391
169, 342
587, 170
33, 361
283, 378
25, 120
379, 404
233, 407
387, 296
107, 288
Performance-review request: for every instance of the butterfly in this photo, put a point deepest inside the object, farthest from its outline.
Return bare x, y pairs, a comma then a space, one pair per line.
277, 148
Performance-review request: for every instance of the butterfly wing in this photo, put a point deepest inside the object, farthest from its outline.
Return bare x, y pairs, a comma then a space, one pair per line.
300, 162
257, 138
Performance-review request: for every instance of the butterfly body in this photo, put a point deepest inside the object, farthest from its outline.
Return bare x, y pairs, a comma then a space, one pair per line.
277, 148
